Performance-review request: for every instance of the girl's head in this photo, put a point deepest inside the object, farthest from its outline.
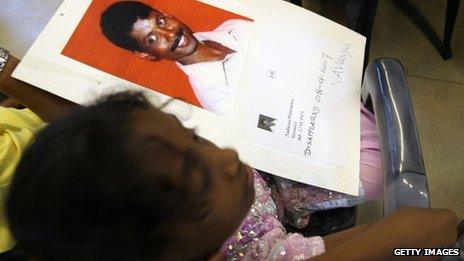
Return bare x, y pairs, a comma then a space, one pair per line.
122, 180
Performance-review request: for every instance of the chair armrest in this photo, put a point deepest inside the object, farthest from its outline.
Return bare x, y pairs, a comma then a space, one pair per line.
403, 167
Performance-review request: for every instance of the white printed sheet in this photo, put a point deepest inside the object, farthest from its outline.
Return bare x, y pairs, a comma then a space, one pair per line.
300, 89
300, 84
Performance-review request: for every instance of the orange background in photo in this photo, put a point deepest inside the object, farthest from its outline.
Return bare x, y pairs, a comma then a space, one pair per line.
89, 46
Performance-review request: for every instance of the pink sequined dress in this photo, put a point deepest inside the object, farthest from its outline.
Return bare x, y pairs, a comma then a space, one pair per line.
262, 235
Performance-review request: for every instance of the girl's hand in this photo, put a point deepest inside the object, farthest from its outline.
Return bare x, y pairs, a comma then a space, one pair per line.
47, 106
11, 103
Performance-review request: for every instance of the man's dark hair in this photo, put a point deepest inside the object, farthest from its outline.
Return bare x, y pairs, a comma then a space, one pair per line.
118, 19
81, 191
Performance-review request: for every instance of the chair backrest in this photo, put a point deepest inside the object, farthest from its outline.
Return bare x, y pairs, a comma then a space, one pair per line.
405, 178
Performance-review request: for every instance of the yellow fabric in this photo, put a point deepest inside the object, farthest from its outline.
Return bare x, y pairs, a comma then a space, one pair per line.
17, 130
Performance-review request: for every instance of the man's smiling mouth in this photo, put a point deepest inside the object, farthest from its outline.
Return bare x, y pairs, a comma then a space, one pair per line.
180, 40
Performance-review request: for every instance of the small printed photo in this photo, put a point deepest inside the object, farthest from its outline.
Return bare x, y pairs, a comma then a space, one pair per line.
184, 49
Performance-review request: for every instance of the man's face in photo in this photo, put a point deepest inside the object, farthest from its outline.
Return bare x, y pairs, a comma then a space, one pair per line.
162, 36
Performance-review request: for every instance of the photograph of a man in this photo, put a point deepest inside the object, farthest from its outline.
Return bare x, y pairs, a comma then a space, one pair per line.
213, 61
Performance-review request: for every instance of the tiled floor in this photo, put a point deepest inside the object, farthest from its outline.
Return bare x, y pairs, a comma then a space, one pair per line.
437, 89
28, 18
437, 86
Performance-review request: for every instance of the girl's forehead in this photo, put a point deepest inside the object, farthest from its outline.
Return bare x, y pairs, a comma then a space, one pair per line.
157, 117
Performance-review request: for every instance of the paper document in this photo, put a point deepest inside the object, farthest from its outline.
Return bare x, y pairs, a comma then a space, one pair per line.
276, 82
298, 83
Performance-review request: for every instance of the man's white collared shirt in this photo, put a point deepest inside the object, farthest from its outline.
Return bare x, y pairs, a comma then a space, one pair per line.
216, 83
